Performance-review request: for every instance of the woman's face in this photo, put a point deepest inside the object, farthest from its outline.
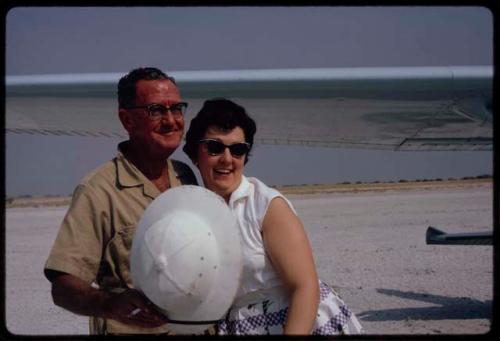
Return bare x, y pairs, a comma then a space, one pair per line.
221, 173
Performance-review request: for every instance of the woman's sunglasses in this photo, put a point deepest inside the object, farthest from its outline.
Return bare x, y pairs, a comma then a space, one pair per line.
215, 147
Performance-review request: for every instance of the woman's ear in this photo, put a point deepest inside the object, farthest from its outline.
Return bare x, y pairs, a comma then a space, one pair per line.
195, 157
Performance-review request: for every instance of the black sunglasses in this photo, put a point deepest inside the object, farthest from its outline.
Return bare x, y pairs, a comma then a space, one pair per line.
215, 147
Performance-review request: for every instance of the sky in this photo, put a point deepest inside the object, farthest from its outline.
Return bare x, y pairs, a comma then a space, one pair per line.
98, 39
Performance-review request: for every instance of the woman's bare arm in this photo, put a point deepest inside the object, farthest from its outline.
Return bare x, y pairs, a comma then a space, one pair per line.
288, 247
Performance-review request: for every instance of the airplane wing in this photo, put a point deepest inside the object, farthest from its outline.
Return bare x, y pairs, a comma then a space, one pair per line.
436, 236
396, 108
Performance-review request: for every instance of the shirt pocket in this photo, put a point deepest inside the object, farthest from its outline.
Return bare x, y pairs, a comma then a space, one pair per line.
117, 256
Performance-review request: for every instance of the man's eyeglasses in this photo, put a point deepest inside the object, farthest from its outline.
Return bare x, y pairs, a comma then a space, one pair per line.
156, 111
215, 147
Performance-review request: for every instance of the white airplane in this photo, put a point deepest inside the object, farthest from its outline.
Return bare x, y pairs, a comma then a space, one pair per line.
392, 108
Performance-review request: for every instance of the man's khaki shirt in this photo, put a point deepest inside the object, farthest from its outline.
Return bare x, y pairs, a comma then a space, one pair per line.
95, 237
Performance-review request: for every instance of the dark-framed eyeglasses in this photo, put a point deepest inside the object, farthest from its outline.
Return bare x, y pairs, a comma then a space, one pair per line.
156, 111
215, 147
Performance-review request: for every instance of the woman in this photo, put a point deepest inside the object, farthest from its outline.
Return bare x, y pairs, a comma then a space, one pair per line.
279, 292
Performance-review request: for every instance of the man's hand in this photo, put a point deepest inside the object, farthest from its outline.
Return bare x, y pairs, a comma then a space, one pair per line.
131, 307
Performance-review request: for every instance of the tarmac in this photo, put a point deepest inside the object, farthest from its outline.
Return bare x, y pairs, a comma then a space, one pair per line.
369, 246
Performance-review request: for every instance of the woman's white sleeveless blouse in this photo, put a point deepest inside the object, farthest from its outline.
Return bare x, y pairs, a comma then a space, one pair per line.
261, 303
250, 202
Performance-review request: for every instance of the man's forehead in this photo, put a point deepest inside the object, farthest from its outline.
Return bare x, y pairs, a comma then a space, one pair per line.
158, 86
156, 83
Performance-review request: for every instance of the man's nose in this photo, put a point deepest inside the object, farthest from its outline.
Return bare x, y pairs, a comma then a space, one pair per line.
168, 117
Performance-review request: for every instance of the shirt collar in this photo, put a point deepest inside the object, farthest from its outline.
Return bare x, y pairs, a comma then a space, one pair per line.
129, 176
243, 190
126, 173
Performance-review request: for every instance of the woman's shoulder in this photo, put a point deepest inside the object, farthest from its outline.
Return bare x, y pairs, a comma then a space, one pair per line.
264, 194
263, 190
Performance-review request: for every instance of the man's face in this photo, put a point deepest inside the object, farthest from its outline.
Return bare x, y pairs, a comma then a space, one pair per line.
159, 137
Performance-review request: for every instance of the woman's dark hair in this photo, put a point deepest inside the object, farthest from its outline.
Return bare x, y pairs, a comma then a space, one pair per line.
127, 84
224, 114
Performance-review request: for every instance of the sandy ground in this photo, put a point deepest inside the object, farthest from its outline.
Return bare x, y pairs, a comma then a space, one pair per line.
369, 245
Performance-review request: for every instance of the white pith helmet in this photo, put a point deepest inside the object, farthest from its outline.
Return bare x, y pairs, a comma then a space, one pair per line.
186, 257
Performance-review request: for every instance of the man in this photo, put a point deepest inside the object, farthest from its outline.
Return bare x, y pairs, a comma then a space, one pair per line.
89, 262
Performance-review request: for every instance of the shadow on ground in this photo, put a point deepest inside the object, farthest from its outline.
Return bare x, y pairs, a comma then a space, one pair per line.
445, 308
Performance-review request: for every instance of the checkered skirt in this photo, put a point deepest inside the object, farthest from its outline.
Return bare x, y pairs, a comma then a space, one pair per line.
268, 316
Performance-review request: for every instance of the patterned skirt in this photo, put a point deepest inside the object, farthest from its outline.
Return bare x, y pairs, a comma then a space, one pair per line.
265, 313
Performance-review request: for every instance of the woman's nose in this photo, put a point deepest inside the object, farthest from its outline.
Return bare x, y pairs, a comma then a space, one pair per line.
226, 155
